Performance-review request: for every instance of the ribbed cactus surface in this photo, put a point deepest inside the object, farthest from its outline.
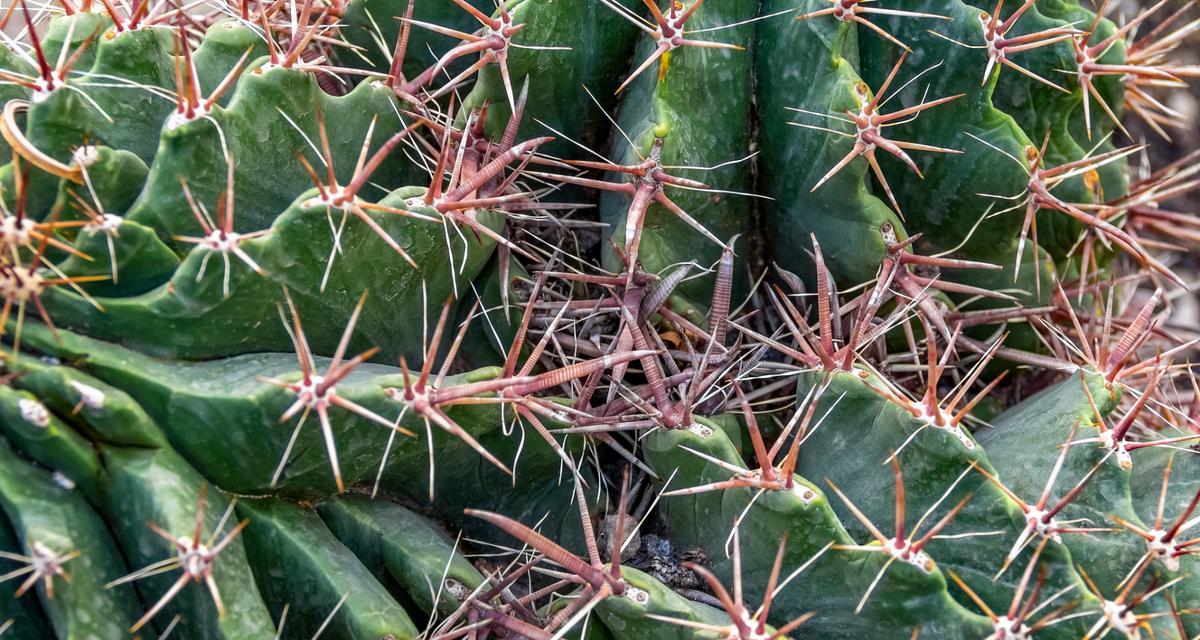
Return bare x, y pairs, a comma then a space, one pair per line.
724, 320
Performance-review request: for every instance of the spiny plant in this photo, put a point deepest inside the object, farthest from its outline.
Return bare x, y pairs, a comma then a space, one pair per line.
607, 319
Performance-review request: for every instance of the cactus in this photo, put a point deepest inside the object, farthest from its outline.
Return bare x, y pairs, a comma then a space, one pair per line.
594, 318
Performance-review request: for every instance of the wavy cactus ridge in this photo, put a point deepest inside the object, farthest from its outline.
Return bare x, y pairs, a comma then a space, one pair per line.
296, 537
819, 81
812, 530
410, 549
695, 88
59, 527
157, 486
298, 253
1106, 497
560, 44
737, 321
955, 465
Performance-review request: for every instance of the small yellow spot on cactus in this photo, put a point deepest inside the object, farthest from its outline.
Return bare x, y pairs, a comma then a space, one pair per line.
661, 130
663, 63
1030, 153
1091, 179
